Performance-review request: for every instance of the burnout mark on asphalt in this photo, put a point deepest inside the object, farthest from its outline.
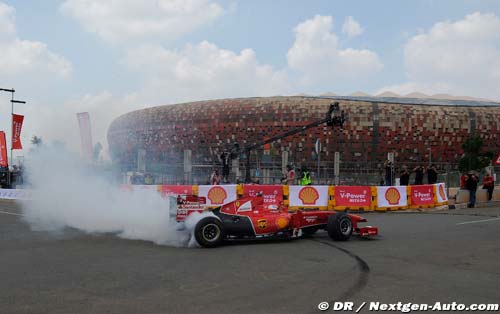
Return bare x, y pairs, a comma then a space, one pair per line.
362, 265
477, 221
9, 213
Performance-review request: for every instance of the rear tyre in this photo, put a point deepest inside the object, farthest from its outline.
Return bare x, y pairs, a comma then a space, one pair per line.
209, 232
339, 227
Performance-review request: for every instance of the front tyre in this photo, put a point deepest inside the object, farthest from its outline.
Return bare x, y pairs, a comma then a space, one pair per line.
339, 227
209, 232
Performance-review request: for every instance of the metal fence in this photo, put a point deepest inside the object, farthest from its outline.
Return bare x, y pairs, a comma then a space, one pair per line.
352, 173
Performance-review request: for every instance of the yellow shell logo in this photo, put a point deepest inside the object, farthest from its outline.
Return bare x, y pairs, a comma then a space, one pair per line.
308, 195
262, 223
282, 222
217, 195
441, 192
392, 196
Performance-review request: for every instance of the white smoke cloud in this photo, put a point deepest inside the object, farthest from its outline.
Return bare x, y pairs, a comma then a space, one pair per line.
66, 193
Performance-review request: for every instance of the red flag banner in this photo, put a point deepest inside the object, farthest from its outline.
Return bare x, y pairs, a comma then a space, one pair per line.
3, 150
17, 125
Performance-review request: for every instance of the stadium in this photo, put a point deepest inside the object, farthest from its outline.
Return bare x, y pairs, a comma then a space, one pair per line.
415, 131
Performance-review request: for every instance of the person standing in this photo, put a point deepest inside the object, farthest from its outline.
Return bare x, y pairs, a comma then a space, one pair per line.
471, 185
489, 185
225, 159
404, 177
388, 173
419, 175
306, 177
432, 174
289, 177
215, 178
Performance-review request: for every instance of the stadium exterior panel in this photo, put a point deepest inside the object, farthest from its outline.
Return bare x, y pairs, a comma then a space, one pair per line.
415, 130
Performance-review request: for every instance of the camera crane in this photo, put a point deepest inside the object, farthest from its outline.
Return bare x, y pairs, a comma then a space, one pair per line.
334, 117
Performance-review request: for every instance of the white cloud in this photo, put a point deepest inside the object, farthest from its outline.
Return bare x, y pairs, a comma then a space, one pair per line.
24, 58
351, 27
59, 122
316, 54
196, 72
121, 20
202, 71
461, 58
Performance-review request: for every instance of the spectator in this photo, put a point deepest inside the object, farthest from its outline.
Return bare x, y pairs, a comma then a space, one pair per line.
432, 174
306, 177
419, 175
471, 185
225, 158
289, 178
463, 179
215, 178
404, 177
148, 179
489, 185
389, 173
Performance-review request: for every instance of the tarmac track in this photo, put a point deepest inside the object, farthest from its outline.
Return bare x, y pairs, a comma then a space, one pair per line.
362, 278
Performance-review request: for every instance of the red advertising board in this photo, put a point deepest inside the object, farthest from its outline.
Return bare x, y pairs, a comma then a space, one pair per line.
422, 194
167, 190
353, 196
272, 194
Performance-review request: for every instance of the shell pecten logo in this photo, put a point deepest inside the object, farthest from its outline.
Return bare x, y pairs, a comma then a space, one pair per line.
392, 196
282, 222
441, 192
217, 195
308, 195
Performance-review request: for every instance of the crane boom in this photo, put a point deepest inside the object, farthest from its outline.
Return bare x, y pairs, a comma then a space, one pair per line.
334, 117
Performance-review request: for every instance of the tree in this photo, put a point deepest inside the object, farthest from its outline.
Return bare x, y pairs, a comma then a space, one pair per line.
474, 158
97, 151
37, 141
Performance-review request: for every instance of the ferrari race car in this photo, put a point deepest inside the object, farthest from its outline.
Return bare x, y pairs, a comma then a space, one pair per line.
250, 218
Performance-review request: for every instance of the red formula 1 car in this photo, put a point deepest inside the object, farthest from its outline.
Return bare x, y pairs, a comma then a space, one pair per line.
249, 218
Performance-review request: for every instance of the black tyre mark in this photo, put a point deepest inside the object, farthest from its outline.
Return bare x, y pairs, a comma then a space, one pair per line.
364, 272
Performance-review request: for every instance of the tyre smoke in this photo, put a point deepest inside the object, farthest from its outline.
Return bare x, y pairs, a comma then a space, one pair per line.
68, 193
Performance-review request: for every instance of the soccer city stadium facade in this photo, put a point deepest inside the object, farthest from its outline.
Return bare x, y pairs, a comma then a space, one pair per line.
416, 131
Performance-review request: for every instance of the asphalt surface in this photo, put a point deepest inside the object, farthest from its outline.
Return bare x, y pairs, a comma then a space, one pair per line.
448, 256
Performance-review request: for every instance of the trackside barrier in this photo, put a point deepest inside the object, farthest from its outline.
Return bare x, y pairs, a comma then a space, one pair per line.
15, 194
340, 198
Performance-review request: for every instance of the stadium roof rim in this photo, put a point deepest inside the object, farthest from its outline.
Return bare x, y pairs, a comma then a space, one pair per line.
414, 101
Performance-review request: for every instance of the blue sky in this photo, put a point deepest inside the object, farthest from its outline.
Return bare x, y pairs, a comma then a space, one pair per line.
111, 57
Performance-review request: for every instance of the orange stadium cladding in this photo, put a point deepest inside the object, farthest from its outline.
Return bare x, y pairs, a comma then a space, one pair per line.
413, 129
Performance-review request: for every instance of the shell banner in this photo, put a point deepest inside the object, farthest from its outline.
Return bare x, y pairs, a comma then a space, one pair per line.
353, 196
391, 196
272, 194
218, 195
422, 194
441, 193
308, 196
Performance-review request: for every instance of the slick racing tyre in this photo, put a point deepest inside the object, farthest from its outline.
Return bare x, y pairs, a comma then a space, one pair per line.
339, 227
209, 232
